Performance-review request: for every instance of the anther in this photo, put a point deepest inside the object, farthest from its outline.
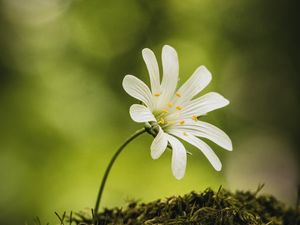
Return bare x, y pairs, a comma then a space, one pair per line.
181, 122
179, 107
170, 104
195, 118
156, 94
178, 94
161, 121
165, 111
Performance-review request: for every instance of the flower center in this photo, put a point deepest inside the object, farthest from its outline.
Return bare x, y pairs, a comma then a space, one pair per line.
162, 114
171, 110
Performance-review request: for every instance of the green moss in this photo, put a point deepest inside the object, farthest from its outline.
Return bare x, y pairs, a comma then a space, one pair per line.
207, 208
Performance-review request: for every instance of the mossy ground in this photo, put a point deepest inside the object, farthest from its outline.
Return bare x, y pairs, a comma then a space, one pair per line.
206, 208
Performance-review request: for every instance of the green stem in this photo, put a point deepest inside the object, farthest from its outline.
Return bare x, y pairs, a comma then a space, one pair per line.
132, 137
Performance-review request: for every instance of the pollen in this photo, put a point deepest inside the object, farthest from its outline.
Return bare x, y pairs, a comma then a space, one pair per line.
156, 94
181, 122
179, 107
178, 94
195, 118
170, 104
185, 134
162, 121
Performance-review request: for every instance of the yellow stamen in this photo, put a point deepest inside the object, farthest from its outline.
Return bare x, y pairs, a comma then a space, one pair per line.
156, 94
162, 121
179, 107
181, 122
170, 104
165, 111
178, 94
185, 134
195, 118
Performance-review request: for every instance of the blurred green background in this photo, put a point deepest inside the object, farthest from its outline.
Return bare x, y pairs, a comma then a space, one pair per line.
63, 111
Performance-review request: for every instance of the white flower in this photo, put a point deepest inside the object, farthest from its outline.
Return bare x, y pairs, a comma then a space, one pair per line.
176, 113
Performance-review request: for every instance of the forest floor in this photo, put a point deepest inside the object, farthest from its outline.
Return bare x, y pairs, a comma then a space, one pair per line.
206, 208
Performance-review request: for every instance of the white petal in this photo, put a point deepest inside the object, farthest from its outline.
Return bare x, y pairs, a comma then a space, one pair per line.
200, 106
137, 89
159, 144
178, 157
153, 69
202, 146
206, 130
196, 83
170, 74
140, 113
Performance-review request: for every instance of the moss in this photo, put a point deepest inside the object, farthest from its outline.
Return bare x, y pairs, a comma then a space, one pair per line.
206, 208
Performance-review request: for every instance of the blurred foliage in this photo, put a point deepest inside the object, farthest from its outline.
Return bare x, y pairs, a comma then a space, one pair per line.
63, 111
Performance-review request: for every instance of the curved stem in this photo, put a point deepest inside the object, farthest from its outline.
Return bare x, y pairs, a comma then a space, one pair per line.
132, 137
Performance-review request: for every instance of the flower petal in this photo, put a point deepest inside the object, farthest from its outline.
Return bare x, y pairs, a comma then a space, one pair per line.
199, 106
206, 130
137, 89
159, 144
202, 146
141, 114
170, 74
153, 69
178, 157
196, 83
